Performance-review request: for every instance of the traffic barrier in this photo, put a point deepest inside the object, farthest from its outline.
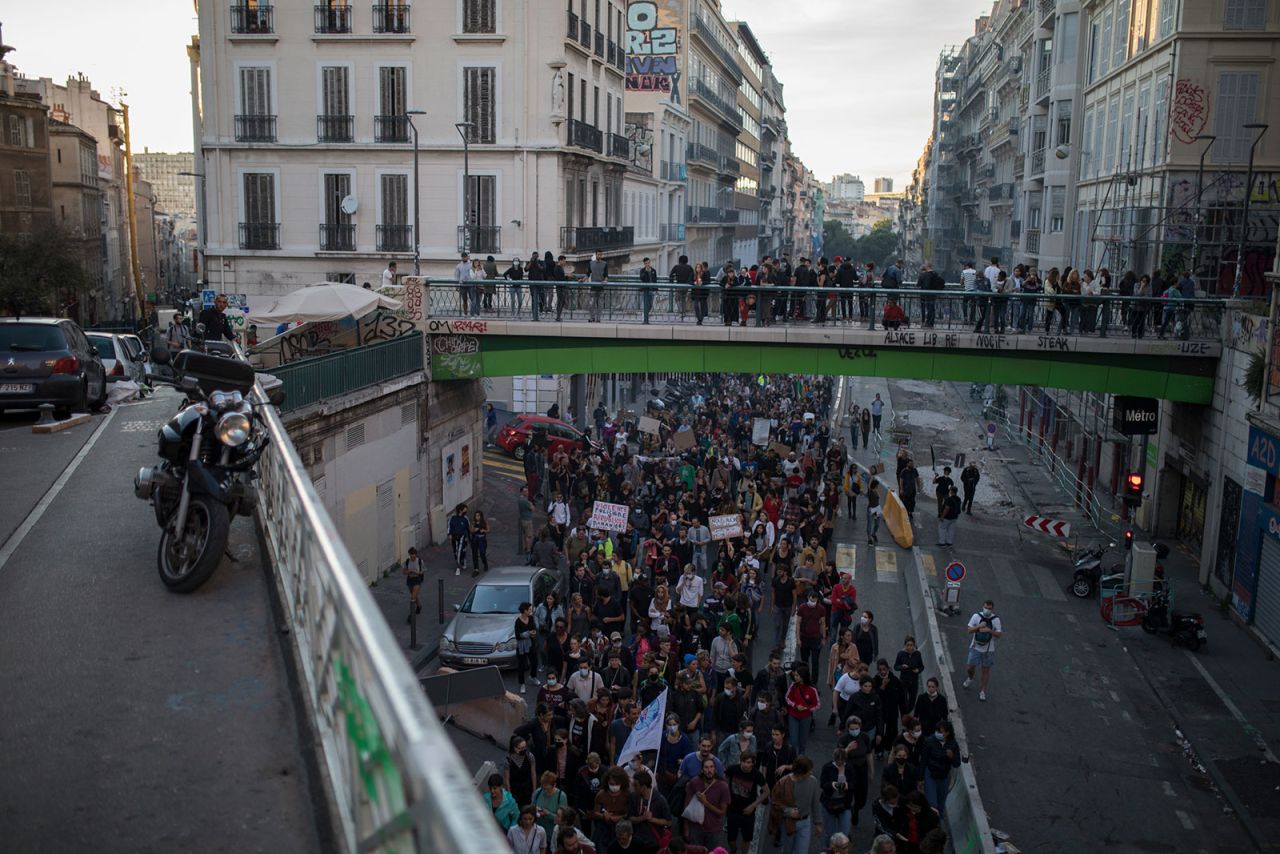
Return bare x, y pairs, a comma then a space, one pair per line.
1048, 526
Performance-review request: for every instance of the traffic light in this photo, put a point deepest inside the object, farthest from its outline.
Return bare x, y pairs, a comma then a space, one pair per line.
1128, 540
1133, 489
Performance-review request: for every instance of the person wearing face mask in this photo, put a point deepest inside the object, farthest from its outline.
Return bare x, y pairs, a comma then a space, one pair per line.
585, 731
711, 792
562, 758
901, 773
747, 791
889, 690
765, 715
584, 682
939, 755
609, 807
866, 705
727, 709
690, 588
651, 686
802, 701
984, 627
867, 637
811, 628
552, 693
912, 738
672, 750
909, 664
856, 743
518, 773
837, 780
931, 706
734, 744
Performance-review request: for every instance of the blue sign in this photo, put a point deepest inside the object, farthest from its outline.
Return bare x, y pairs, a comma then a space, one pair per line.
1264, 451
955, 571
206, 297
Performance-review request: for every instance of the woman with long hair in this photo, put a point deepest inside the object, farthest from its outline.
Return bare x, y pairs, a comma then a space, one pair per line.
479, 543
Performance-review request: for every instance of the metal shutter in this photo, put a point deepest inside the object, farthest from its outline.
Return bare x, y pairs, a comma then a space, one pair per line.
1266, 609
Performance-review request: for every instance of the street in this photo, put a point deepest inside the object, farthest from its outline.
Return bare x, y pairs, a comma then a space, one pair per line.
134, 719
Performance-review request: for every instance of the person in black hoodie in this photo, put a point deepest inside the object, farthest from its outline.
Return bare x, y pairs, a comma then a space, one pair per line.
682, 274
939, 754
931, 707
866, 705
648, 276
913, 820
889, 689
838, 779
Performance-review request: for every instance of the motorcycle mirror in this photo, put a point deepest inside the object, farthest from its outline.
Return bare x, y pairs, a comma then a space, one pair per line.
160, 354
276, 397
188, 384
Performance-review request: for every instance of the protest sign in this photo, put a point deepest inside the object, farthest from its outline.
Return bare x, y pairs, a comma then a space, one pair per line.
760, 431
684, 440
724, 527
779, 448
608, 517
648, 425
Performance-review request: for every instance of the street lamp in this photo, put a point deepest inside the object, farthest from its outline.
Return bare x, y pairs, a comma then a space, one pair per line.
416, 242
462, 128
1261, 128
203, 235
1195, 247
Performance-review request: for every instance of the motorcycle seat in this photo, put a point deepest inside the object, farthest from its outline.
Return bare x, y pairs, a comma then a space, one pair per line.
1183, 615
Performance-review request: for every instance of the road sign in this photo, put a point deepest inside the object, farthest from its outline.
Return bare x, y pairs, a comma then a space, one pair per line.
955, 571
1048, 526
206, 297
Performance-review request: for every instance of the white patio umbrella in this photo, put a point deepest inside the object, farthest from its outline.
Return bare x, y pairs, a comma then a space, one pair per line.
322, 301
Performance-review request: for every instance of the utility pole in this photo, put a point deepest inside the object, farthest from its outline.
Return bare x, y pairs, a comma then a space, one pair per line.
133, 219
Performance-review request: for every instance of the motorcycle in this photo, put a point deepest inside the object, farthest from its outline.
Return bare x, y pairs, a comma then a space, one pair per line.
1088, 573
1184, 627
208, 452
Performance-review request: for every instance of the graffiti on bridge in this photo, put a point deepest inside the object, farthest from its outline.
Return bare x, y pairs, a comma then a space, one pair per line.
460, 325
455, 356
384, 327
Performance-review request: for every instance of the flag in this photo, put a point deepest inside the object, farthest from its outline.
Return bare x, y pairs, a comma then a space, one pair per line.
647, 733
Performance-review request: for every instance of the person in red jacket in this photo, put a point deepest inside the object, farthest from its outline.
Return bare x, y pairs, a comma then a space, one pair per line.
894, 316
844, 602
802, 702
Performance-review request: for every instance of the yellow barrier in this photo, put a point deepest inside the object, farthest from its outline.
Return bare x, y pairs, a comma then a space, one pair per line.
897, 520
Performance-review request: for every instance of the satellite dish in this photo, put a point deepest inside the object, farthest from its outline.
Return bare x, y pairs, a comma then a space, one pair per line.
349, 205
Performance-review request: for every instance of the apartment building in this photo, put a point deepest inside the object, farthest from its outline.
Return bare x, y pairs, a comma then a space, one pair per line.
172, 177
773, 143
336, 137
77, 198
747, 247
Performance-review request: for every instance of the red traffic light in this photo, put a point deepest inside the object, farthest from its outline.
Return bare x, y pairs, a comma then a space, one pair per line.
1133, 489
1128, 539
1135, 482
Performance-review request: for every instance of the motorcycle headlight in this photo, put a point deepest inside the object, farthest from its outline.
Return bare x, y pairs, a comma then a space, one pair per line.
234, 429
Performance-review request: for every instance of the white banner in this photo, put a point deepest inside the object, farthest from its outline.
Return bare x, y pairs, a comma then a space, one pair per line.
647, 733
726, 526
760, 432
609, 517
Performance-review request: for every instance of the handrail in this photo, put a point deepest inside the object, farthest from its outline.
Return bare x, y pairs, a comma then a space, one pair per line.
394, 780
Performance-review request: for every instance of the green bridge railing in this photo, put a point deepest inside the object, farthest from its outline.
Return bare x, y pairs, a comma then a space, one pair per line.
309, 381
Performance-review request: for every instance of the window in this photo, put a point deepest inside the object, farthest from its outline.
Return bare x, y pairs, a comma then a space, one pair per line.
391, 124
334, 124
336, 231
1063, 129
1128, 157
1144, 126
22, 188
1057, 207
1120, 44
16, 137
1104, 46
1245, 15
1086, 154
1237, 106
394, 231
1099, 130
483, 201
1068, 36
1158, 120
478, 103
1113, 125
255, 91
260, 229
479, 16
1168, 13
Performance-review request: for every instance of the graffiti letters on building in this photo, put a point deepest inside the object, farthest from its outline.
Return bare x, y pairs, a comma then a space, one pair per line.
639, 129
651, 51
1190, 110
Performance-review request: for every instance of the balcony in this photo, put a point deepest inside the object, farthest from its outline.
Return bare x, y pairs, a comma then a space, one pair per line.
585, 136
1037, 162
391, 128
588, 239
259, 235
1033, 240
1046, 10
391, 18
481, 239
611, 52
309, 381
599, 44
258, 128
331, 20
340, 237
705, 30
395, 238
980, 228
619, 146
729, 165
572, 33
672, 232
722, 105
696, 152
334, 128
584, 34
251, 20
1042, 83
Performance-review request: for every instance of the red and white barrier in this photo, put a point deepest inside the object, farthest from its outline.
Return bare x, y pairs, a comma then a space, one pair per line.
1048, 526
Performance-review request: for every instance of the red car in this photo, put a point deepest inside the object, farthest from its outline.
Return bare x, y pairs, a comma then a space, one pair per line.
514, 437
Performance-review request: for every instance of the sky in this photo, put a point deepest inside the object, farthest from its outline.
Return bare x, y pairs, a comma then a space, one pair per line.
857, 74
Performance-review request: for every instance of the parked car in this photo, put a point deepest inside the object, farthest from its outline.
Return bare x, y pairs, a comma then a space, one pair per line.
49, 360
117, 358
514, 437
483, 631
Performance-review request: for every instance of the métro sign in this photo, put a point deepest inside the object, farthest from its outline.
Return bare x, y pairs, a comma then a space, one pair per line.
1136, 416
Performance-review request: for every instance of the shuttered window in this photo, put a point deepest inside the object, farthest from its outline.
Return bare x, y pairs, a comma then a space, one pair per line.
22, 188
333, 81
1237, 106
255, 92
1120, 43
392, 99
479, 16
1245, 15
337, 186
478, 98
259, 198
395, 199
484, 200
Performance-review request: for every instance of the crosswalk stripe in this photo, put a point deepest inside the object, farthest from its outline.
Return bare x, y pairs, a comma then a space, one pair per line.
1005, 578
847, 559
1049, 586
930, 569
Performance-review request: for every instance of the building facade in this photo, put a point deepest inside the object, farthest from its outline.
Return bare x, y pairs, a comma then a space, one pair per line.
77, 204
26, 185
747, 244
172, 177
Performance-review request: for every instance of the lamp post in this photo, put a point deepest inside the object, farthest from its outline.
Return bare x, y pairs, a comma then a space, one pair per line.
462, 128
1261, 128
1195, 246
417, 270
202, 236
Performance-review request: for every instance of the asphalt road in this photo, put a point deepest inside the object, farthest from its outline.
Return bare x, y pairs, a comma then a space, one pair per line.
134, 719
1073, 751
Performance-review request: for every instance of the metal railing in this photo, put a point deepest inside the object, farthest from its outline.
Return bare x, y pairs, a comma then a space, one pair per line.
256, 19
599, 43
572, 33
585, 136
334, 128
1037, 162
256, 128
333, 18
391, 18
619, 146
259, 235
486, 239
394, 779
395, 238
722, 53
672, 232
584, 34
1047, 8
309, 381
391, 128
722, 105
588, 239
1042, 83
1033, 240
337, 237
1061, 317
699, 153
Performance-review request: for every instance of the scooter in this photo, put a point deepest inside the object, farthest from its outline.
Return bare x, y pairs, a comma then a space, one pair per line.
1088, 571
1183, 627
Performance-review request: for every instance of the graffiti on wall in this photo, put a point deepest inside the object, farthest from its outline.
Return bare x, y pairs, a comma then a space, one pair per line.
455, 357
652, 48
1190, 110
639, 130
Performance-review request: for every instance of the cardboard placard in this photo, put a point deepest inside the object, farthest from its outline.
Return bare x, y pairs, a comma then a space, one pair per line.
779, 448
726, 526
876, 468
684, 439
760, 431
608, 517
648, 425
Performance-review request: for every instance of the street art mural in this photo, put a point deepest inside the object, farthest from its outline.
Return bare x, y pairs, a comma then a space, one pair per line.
639, 130
1190, 110
652, 47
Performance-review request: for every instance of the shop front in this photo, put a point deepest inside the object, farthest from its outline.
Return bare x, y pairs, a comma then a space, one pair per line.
1255, 586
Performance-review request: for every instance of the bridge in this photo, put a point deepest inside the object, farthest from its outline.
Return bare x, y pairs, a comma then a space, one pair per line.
652, 328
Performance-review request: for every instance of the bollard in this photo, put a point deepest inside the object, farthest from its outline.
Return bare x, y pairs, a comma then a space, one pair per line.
413, 626
440, 598
46, 415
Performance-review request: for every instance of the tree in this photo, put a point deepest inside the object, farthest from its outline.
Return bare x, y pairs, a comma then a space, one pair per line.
35, 268
880, 246
836, 240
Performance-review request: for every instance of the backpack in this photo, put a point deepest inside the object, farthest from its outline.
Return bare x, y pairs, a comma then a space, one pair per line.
982, 638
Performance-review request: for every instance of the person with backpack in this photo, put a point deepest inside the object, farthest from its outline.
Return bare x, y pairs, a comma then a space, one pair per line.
985, 627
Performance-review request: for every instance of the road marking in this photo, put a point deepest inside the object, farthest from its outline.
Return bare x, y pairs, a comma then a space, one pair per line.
930, 569
15, 540
1071, 618
1049, 586
1114, 696
1168, 788
1249, 728
886, 565
847, 559
1005, 579
1185, 819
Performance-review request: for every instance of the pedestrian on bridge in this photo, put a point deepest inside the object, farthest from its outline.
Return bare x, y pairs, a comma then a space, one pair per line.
865, 423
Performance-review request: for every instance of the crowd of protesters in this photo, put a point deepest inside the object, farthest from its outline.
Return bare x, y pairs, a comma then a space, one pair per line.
665, 615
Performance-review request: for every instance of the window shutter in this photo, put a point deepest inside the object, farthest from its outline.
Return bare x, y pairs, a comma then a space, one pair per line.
486, 207
335, 91
1237, 106
259, 197
255, 91
391, 97
395, 200
479, 16
478, 99
1245, 15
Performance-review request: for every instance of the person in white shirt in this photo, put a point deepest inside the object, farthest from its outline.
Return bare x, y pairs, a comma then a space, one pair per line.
984, 627
462, 275
969, 279
991, 272
846, 686
389, 275
584, 682
690, 588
